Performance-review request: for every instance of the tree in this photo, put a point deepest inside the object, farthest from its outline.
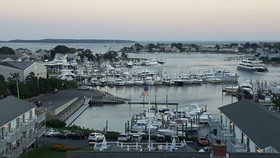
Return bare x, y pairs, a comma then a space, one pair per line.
7, 50
276, 100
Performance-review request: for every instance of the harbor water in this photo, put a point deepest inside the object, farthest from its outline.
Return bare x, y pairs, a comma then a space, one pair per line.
209, 95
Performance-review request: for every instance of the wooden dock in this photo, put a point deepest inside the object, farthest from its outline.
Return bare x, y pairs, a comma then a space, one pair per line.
153, 103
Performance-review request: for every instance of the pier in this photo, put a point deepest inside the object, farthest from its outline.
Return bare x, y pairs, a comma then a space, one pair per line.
154, 103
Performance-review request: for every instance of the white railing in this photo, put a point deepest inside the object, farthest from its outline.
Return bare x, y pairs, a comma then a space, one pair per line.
41, 131
16, 152
27, 126
14, 135
41, 118
30, 140
234, 146
132, 146
3, 145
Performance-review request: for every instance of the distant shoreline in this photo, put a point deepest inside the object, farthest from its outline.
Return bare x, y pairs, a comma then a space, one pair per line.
68, 41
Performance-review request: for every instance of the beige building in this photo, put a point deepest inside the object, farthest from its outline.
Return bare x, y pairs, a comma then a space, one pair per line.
20, 126
9, 68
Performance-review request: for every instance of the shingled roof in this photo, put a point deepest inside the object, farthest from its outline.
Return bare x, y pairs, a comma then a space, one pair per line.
17, 65
260, 125
12, 107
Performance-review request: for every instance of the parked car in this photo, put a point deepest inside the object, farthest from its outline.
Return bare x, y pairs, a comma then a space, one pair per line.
95, 137
78, 135
124, 137
203, 141
136, 138
52, 133
160, 138
65, 134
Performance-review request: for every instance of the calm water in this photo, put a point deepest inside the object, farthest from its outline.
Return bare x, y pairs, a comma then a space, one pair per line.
206, 94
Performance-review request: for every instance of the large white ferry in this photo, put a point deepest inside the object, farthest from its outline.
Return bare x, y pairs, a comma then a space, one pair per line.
251, 65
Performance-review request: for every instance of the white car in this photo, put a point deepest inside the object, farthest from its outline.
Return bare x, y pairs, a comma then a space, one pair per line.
52, 133
124, 137
95, 137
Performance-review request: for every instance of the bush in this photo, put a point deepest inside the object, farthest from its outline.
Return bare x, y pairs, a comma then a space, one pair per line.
61, 147
55, 123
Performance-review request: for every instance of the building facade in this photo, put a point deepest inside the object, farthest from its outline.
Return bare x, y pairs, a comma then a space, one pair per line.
20, 126
9, 68
245, 126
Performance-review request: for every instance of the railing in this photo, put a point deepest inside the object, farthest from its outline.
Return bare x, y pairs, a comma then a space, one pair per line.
225, 135
16, 152
214, 121
27, 126
41, 118
30, 140
3, 145
234, 145
132, 146
14, 135
41, 131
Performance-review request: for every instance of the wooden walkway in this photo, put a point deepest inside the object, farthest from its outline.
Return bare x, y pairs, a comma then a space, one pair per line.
154, 103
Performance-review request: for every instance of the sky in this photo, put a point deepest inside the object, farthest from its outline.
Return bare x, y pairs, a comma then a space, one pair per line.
141, 20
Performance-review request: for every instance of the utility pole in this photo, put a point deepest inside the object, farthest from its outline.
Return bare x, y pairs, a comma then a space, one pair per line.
16, 76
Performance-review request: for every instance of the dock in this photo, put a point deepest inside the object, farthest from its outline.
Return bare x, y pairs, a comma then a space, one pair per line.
154, 103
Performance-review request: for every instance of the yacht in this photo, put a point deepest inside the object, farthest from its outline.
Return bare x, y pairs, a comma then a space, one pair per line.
252, 66
150, 62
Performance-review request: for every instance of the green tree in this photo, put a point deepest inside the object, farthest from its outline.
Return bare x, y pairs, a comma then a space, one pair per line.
276, 100
6, 50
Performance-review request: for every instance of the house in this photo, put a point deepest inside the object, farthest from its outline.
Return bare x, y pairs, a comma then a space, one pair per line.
20, 126
246, 126
4, 58
8, 68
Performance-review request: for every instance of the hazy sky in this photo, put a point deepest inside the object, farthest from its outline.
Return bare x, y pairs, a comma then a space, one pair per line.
164, 20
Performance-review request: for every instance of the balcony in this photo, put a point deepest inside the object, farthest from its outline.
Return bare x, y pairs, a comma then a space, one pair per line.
14, 135
226, 135
3, 145
16, 152
233, 145
30, 140
41, 118
27, 126
41, 131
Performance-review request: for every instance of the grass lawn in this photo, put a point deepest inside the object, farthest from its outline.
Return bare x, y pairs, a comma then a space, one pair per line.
44, 152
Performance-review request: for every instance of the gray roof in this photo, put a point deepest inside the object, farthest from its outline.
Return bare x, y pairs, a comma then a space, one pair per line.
260, 125
17, 65
12, 107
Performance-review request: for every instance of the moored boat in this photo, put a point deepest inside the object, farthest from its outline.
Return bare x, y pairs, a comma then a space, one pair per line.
252, 66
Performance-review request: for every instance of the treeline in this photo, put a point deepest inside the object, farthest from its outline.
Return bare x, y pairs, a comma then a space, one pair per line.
32, 86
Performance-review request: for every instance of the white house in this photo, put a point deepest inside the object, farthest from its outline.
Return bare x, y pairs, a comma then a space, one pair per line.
8, 68
246, 126
20, 126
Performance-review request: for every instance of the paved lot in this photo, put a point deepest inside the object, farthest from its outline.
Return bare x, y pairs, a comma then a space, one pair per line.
52, 101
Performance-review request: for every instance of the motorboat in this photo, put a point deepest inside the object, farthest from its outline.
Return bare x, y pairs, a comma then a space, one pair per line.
231, 89
166, 132
150, 62
226, 76
251, 65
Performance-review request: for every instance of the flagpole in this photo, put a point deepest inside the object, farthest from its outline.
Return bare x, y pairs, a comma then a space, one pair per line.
149, 124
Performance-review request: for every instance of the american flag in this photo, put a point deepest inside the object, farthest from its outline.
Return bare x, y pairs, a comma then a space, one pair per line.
145, 91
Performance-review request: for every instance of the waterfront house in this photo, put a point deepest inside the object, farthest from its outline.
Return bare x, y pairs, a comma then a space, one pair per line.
23, 69
20, 126
246, 126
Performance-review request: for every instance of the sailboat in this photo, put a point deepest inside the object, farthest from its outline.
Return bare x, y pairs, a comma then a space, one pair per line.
161, 61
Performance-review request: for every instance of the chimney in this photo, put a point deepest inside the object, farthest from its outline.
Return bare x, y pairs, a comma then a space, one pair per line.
219, 150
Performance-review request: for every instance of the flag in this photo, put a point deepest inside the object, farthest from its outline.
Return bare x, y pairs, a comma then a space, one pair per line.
145, 91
